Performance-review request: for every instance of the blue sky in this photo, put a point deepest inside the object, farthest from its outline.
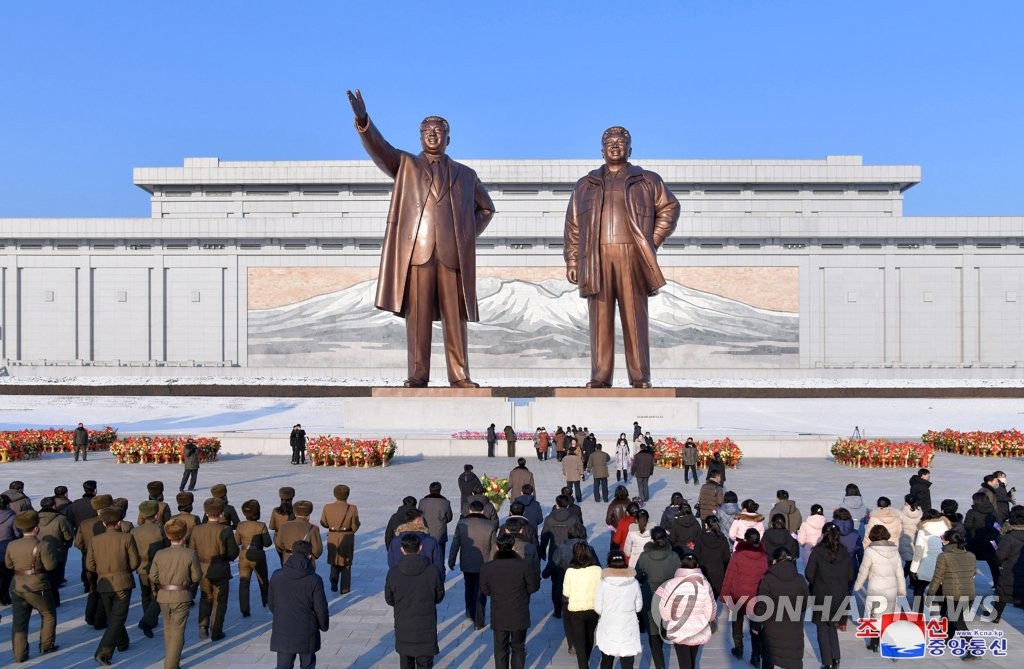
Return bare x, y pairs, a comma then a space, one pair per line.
90, 90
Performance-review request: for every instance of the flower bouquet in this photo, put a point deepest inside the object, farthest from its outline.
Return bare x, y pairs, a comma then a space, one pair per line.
495, 490
162, 449
882, 453
668, 452
999, 444
329, 451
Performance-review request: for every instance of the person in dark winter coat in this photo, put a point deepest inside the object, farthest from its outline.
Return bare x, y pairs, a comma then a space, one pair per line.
848, 535
949, 509
778, 536
428, 547
468, 482
80, 441
297, 601
672, 510
782, 634
643, 468
954, 576
684, 530
437, 513
557, 527
414, 590
787, 508
920, 488
689, 454
981, 532
716, 466
190, 459
473, 544
713, 553
1010, 552
509, 581
397, 518
1004, 497
742, 581
712, 495
492, 440
829, 573
657, 564
617, 509
297, 441
531, 507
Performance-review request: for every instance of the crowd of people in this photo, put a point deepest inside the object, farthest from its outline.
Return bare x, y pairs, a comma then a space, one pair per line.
660, 587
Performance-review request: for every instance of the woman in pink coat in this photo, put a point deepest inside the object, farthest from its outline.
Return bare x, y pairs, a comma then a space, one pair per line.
685, 609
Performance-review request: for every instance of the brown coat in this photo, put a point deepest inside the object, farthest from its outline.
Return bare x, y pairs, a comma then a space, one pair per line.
252, 537
56, 530
177, 565
217, 549
652, 209
299, 529
517, 478
277, 519
342, 521
572, 467
472, 210
149, 537
163, 514
113, 556
190, 520
19, 556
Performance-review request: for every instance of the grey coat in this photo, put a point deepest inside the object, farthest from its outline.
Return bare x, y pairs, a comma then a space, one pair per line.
437, 513
473, 543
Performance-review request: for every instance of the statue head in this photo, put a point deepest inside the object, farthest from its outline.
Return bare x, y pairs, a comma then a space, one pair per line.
616, 145
434, 135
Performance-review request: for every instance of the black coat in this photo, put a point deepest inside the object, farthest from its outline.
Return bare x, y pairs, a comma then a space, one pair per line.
468, 481
297, 439
979, 525
414, 589
684, 532
397, 518
716, 465
1010, 587
782, 635
713, 554
920, 488
775, 539
1004, 499
509, 580
829, 582
299, 606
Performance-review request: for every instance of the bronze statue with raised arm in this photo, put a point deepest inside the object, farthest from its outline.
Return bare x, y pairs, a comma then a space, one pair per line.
428, 263
618, 216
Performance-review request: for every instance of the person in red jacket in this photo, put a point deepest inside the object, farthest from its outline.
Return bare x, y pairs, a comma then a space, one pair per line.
742, 580
622, 529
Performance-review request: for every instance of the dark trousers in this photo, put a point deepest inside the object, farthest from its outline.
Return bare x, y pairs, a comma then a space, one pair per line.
582, 625
828, 642
509, 649
83, 450
246, 568
476, 601
557, 581
686, 656
657, 645
189, 474
601, 489
6, 576
115, 606
608, 661
432, 286
417, 662
687, 469
213, 604
510, 448
642, 489
575, 485
287, 660
295, 455
490, 448
22, 606
542, 455
95, 614
150, 607
342, 574
622, 475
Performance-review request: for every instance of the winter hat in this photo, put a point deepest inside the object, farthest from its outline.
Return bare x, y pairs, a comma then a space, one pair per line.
148, 509
175, 529
303, 508
213, 506
26, 520
219, 491
101, 501
341, 492
286, 493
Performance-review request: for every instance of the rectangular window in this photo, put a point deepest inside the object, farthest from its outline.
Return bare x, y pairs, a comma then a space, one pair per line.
332, 246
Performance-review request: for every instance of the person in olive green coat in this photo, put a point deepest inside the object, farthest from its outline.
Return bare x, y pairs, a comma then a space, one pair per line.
149, 537
955, 568
174, 574
56, 530
252, 537
230, 516
113, 556
30, 559
215, 544
342, 522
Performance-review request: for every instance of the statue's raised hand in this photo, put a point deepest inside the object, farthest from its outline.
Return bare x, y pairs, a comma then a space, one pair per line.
358, 106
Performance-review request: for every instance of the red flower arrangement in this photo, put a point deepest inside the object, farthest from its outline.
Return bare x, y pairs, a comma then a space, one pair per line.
668, 452
30, 443
325, 450
999, 444
882, 453
162, 450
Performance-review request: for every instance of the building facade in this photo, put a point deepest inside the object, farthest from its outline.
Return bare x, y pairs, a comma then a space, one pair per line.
797, 268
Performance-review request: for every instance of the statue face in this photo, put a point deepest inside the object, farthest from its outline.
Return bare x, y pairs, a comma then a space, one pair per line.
434, 137
615, 149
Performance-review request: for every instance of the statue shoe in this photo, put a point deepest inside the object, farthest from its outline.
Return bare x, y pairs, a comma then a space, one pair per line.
641, 384
598, 384
414, 383
464, 383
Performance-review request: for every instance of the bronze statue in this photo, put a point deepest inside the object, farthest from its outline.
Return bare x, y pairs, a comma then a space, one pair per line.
428, 263
618, 216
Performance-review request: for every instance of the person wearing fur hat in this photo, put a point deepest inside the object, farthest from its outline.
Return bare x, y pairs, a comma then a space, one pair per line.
215, 544
253, 538
342, 522
185, 501
230, 516
149, 537
282, 514
174, 574
94, 614
30, 559
299, 529
55, 530
113, 556
79, 512
121, 504
156, 494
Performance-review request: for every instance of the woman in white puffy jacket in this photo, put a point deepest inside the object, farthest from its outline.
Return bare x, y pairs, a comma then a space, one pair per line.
927, 546
618, 600
882, 571
809, 533
639, 535
623, 459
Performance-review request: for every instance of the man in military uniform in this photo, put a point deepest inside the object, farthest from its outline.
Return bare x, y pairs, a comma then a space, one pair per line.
149, 537
342, 521
30, 559
113, 556
156, 494
55, 530
230, 516
94, 613
215, 544
174, 574
299, 529
185, 500
252, 537
121, 504
282, 514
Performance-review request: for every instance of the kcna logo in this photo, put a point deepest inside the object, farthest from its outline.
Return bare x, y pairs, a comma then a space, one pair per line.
907, 635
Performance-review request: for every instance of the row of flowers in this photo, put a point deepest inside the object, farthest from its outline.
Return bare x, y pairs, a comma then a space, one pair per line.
999, 444
472, 434
29, 444
328, 451
882, 453
162, 450
668, 452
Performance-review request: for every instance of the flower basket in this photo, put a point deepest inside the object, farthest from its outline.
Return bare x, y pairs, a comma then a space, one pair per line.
326, 450
162, 450
879, 453
999, 444
668, 452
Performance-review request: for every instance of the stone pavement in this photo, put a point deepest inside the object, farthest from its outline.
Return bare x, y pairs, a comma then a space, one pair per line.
361, 623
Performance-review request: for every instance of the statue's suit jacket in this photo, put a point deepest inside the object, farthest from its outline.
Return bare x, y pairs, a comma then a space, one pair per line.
472, 210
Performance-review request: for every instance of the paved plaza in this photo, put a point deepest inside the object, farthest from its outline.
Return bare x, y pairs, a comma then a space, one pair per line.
361, 622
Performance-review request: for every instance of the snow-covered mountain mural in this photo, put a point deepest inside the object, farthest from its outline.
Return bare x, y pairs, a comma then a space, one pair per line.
523, 323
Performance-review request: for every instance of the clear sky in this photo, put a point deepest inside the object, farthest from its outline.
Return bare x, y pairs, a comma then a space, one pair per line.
90, 90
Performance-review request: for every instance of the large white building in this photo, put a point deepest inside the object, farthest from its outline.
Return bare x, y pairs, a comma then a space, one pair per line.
792, 268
